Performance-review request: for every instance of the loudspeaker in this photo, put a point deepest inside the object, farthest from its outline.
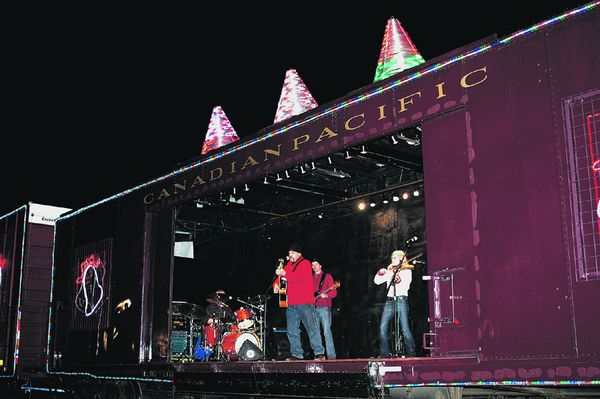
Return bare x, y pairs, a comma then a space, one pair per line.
249, 351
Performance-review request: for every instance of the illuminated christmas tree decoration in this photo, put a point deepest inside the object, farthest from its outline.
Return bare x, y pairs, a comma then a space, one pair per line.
220, 132
295, 98
397, 52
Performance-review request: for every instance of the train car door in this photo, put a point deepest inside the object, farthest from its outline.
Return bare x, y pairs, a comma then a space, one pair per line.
450, 208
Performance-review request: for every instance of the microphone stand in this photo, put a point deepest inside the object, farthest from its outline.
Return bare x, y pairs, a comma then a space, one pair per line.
398, 338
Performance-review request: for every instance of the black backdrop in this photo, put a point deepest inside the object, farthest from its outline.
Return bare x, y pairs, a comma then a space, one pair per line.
352, 247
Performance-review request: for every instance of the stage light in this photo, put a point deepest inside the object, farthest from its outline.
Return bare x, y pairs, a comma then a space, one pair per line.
347, 155
362, 206
313, 166
372, 204
320, 215
395, 198
302, 170
246, 188
278, 178
405, 196
385, 201
287, 174
416, 193
394, 140
362, 150
265, 181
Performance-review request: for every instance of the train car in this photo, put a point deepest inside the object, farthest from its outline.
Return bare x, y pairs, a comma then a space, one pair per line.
480, 164
25, 270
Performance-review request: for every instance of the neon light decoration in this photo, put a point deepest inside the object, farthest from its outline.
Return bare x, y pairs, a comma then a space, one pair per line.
596, 168
595, 163
295, 98
2, 264
397, 52
220, 132
90, 282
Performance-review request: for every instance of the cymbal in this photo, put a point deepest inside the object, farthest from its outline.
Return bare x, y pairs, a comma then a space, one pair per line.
191, 310
217, 302
258, 299
218, 298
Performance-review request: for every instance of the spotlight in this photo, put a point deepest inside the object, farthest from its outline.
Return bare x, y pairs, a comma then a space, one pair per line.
302, 170
246, 188
361, 206
419, 128
385, 201
405, 196
394, 140
347, 155
265, 181
372, 204
320, 215
395, 198
329, 161
416, 193
362, 150
278, 178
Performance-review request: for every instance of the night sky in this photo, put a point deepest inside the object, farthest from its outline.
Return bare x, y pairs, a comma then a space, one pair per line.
100, 100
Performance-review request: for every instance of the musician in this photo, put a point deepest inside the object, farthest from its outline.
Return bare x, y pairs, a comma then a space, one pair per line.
301, 303
397, 298
325, 292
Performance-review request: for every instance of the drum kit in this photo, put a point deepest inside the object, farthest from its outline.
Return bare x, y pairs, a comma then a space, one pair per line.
225, 331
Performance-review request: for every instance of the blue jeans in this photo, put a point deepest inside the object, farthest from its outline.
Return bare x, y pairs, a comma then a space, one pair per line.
324, 323
387, 318
307, 314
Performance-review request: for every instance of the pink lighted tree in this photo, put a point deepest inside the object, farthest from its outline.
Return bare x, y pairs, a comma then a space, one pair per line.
295, 97
220, 132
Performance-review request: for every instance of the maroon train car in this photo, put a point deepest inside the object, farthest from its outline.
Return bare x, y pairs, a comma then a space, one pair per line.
488, 154
25, 271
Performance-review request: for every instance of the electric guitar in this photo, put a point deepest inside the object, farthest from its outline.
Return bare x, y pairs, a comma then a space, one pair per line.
282, 287
335, 286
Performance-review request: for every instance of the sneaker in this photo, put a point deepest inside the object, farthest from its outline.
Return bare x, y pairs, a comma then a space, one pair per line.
320, 357
293, 358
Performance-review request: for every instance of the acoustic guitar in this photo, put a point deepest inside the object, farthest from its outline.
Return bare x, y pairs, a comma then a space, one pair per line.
283, 303
335, 286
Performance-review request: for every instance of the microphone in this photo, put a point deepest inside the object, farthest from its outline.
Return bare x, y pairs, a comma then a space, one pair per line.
413, 239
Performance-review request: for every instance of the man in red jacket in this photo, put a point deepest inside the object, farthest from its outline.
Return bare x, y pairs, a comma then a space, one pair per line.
301, 303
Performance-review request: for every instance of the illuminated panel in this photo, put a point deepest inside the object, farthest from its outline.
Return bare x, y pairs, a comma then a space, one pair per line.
90, 287
90, 284
582, 114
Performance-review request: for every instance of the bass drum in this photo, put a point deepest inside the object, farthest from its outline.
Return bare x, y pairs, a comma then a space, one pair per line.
233, 341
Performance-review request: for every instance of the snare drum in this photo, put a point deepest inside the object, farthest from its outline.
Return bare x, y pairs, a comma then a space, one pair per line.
232, 343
